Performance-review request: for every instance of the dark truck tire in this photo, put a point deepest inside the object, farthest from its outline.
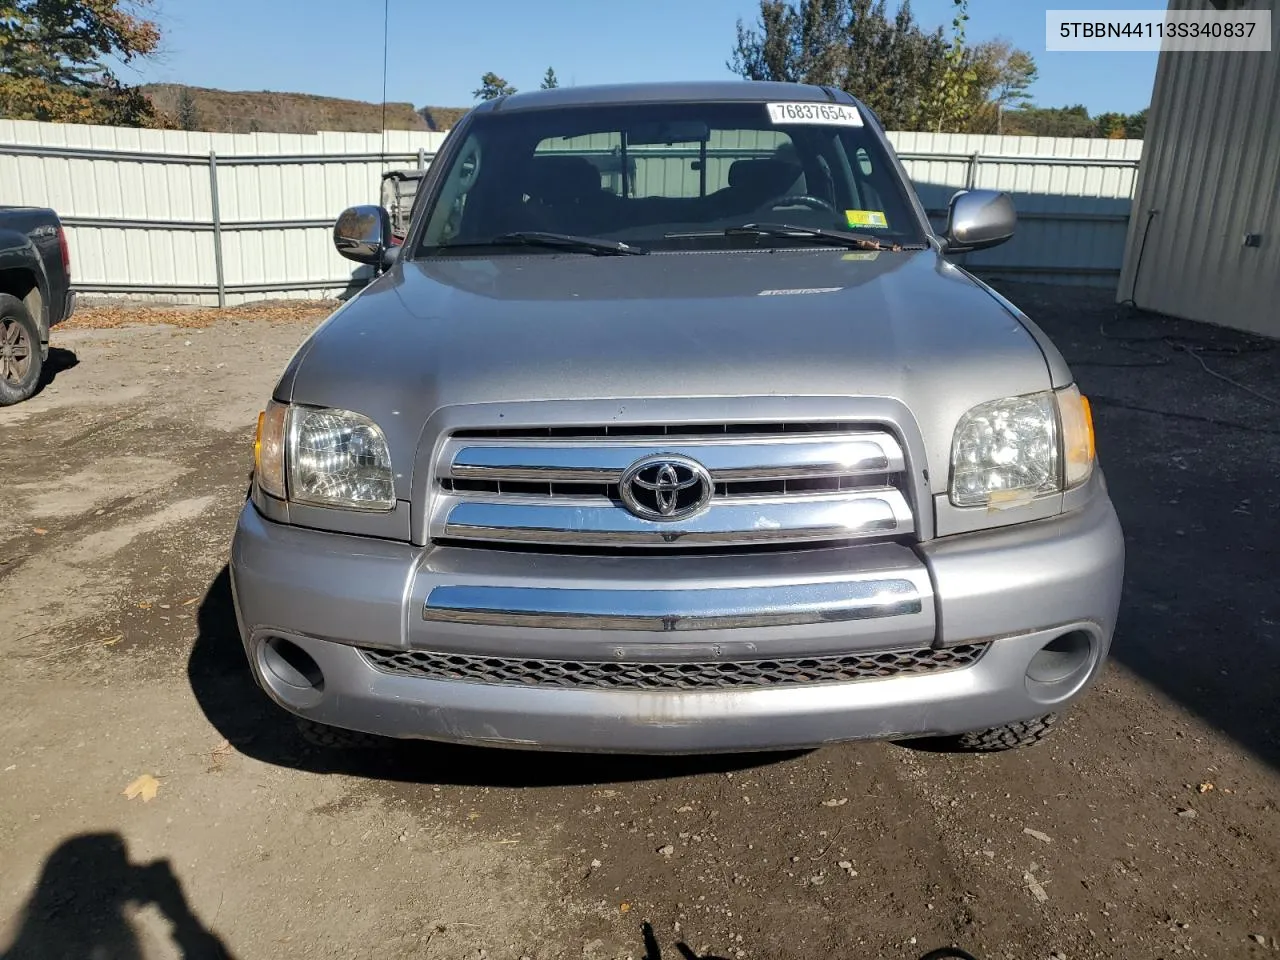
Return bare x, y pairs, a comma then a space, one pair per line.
1025, 733
21, 359
336, 738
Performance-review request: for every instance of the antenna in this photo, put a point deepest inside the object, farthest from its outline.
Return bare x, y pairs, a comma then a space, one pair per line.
386, 29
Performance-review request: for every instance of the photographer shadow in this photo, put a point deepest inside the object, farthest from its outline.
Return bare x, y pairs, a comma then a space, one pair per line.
79, 907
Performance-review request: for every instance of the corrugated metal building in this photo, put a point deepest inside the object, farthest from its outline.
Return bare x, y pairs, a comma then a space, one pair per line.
1204, 234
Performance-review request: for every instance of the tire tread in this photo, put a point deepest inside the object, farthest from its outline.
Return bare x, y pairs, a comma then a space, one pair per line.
1010, 736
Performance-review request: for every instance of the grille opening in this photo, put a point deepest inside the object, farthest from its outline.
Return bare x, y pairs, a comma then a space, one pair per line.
659, 430
689, 675
734, 488
650, 550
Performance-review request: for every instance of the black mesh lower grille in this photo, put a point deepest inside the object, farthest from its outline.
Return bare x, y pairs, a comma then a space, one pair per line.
675, 676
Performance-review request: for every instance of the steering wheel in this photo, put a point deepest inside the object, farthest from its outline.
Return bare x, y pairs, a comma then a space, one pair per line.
802, 200
468, 177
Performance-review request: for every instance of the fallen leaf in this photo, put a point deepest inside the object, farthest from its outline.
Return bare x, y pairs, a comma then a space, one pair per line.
112, 641
145, 604
146, 787
624, 907
1205, 787
39, 531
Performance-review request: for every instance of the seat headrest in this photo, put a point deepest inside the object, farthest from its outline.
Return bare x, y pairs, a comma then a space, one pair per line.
765, 177
557, 179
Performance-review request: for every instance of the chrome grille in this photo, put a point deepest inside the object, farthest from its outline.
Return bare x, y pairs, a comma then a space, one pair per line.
771, 483
640, 675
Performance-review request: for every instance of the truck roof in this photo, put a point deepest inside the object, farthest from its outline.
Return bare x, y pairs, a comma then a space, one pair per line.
672, 92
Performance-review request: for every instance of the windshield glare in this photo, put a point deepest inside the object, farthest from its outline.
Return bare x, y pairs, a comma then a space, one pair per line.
640, 173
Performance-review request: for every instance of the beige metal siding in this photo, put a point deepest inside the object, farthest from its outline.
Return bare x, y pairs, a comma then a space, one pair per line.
1211, 174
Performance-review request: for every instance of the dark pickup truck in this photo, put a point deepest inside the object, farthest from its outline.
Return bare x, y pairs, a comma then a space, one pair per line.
35, 293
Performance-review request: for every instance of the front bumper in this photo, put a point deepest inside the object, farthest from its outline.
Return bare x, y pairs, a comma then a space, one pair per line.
1016, 589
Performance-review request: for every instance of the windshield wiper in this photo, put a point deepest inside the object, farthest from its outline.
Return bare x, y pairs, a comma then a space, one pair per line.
841, 238
563, 241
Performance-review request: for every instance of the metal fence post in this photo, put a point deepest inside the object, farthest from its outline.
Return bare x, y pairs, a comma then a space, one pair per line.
422, 158
217, 228
972, 179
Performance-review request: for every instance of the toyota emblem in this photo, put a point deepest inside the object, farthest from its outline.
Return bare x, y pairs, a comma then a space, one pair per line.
666, 487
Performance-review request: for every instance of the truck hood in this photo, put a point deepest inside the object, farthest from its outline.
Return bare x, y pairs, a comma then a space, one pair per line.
805, 322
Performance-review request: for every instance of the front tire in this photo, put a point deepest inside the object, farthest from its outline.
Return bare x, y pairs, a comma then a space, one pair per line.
21, 356
336, 738
1024, 733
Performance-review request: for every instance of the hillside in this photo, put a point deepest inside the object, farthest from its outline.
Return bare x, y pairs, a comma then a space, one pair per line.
442, 118
247, 111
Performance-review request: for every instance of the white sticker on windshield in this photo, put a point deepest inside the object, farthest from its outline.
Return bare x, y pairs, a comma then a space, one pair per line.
835, 114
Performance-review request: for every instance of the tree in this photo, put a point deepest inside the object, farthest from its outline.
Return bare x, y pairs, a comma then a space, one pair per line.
891, 64
188, 118
1051, 122
1111, 125
493, 86
549, 80
912, 78
55, 60
953, 104
1135, 125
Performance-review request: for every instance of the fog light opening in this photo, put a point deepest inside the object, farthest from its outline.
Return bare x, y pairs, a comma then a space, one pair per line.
290, 670
1061, 666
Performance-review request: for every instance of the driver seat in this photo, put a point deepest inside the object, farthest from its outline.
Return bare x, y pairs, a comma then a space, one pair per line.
753, 183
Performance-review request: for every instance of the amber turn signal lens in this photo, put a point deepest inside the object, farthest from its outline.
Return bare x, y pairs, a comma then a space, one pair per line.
268, 450
1078, 450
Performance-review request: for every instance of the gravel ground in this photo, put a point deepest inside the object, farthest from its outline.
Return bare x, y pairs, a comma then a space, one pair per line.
1146, 827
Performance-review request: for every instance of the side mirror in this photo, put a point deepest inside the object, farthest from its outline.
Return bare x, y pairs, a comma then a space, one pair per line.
979, 218
363, 234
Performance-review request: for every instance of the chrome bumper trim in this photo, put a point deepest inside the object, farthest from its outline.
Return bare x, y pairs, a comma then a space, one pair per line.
875, 511
673, 610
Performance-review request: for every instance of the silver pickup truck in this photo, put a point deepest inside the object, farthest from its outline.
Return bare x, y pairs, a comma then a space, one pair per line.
670, 427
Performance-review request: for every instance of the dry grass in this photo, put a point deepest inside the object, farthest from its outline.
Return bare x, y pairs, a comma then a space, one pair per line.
249, 111
442, 118
125, 314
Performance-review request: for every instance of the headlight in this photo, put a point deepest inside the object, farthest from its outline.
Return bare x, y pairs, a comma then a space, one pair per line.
1009, 451
335, 458
338, 458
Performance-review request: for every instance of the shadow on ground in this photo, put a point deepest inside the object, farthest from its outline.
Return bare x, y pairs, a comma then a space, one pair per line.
78, 908
1193, 466
59, 359
242, 713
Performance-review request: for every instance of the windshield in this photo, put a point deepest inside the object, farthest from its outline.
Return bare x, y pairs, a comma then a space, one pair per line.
667, 175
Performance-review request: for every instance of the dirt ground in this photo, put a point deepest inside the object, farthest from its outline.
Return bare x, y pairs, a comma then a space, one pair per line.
1147, 827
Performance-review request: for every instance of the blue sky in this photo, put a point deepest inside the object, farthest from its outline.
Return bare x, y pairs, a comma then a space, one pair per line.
440, 49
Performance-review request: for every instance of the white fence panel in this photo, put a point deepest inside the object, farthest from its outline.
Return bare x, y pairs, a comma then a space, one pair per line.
140, 214
1072, 196
149, 211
